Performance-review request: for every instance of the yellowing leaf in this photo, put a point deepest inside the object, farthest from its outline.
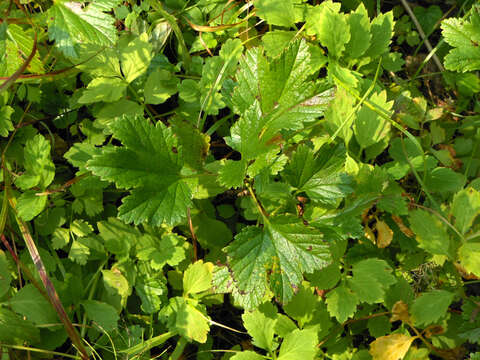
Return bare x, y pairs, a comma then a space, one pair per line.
390, 347
384, 234
400, 312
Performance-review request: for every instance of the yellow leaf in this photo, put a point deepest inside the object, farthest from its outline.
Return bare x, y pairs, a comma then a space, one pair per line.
384, 234
368, 233
390, 347
400, 312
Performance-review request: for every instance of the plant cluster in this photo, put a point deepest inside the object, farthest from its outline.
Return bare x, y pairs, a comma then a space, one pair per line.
244, 180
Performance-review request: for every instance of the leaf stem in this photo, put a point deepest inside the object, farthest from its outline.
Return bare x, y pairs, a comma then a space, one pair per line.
261, 210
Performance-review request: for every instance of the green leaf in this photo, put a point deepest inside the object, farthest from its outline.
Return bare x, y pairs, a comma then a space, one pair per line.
359, 24
152, 292
197, 278
135, 59
431, 233
30, 303
382, 32
103, 89
5, 276
443, 180
69, 25
370, 128
370, 279
302, 306
465, 208
30, 205
14, 329
469, 256
429, 307
464, 36
39, 168
184, 317
284, 247
272, 96
338, 115
101, 313
276, 13
79, 252
6, 124
260, 325
159, 193
16, 44
195, 144
341, 303
160, 85
232, 173
320, 174
168, 250
116, 284
334, 41
117, 236
299, 344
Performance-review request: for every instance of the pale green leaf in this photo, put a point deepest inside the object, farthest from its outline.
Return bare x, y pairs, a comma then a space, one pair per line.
370, 128
260, 325
135, 59
103, 89
197, 277
465, 208
116, 284
469, 256
168, 250
299, 344
152, 292
302, 306
6, 124
160, 85
464, 36
275, 12
334, 41
247, 355
70, 24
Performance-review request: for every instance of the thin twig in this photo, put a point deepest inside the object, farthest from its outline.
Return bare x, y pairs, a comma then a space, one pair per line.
422, 34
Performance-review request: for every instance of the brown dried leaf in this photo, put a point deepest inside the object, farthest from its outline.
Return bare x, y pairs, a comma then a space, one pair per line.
384, 234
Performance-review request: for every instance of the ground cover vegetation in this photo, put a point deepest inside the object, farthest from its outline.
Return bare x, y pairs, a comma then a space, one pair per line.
244, 180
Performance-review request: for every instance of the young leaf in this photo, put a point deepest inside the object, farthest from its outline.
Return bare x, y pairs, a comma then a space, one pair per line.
168, 250
469, 256
299, 344
370, 128
465, 208
103, 89
334, 41
39, 168
197, 277
342, 303
159, 193
135, 58
276, 13
382, 31
431, 306
260, 325
182, 316
285, 247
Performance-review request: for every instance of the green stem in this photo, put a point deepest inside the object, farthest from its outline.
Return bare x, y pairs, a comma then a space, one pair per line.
179, 348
